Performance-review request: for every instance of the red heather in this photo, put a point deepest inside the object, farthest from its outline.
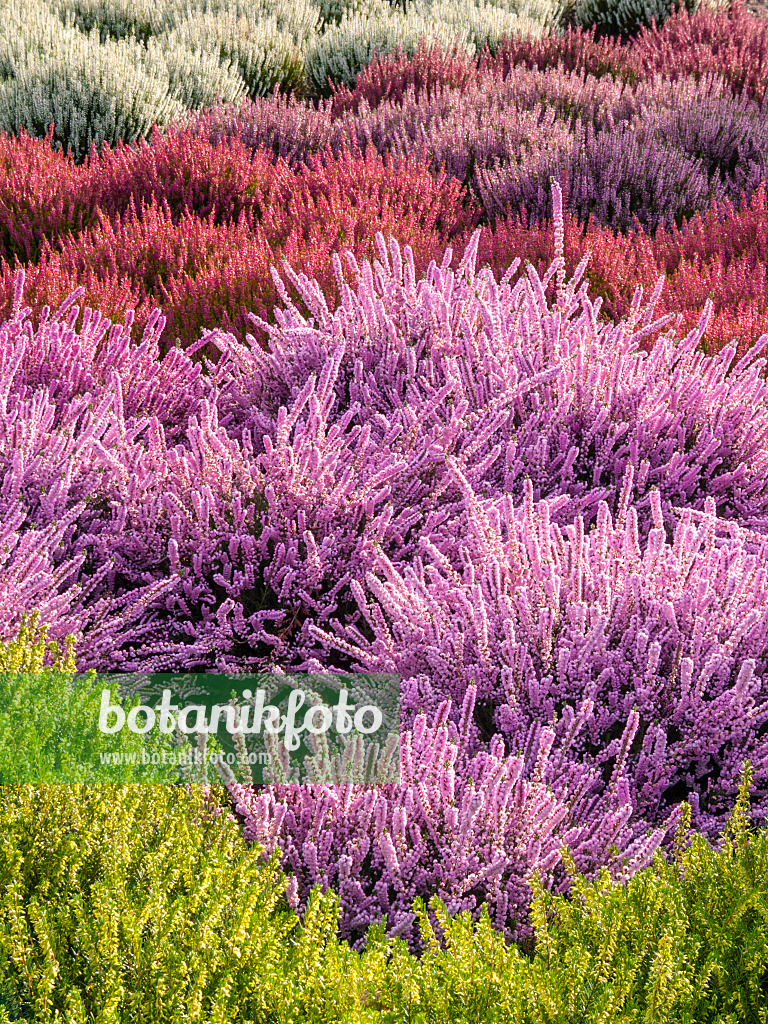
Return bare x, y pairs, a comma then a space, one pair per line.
721, 256
386, 78
731, 43
185, 171
42, 195
576, 50
203, 274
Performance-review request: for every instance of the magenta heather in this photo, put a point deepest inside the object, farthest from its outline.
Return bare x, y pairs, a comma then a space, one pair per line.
470, 827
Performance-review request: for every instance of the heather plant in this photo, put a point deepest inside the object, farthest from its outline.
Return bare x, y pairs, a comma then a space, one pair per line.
64, 365
282, 125
728, 42
115, 19
196, 76
197, 923
402, 190
721, 257
465, 133
299, 19
42, 195
683, 940
722, 232
368, 441
184, 921
678, 147
630, 682
343, 51
203, 273
332, 11
489, 21
48, 285
283, 378
262, 55
575, 49
31, 652
657, 153
91, 91
283, 373
120, 18
469, 830
386, 78
705, 121
184, 172
618, 177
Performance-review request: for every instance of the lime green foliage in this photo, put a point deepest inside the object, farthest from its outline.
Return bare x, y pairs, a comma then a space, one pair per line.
138, 904
49, 715
685, 941
135, 904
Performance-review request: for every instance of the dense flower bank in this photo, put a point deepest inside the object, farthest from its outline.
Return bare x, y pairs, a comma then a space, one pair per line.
537, 491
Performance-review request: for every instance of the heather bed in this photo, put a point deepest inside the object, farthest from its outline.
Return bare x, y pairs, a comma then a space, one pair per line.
535, 492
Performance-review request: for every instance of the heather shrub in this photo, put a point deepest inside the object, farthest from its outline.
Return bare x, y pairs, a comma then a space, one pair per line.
30, 651
705, 121
342, 201
196, 76
262, 55
683, 940
370, 439
91, 91
650, 155
55, 508
332, 11
617, 263
120, 18
720, 256
184, 922
467, 133
401, 191
721, 232
42, 195
203, 274
575, 49
197, 924
657, 153
632, 686
617, 177
283, 125
469, 829
184, 172
48, 285
27, 28
728, 42
116, 19
283, 372
386, 78
298, 19
343, 51
643, 448
347, 48
63, 364
488, 22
